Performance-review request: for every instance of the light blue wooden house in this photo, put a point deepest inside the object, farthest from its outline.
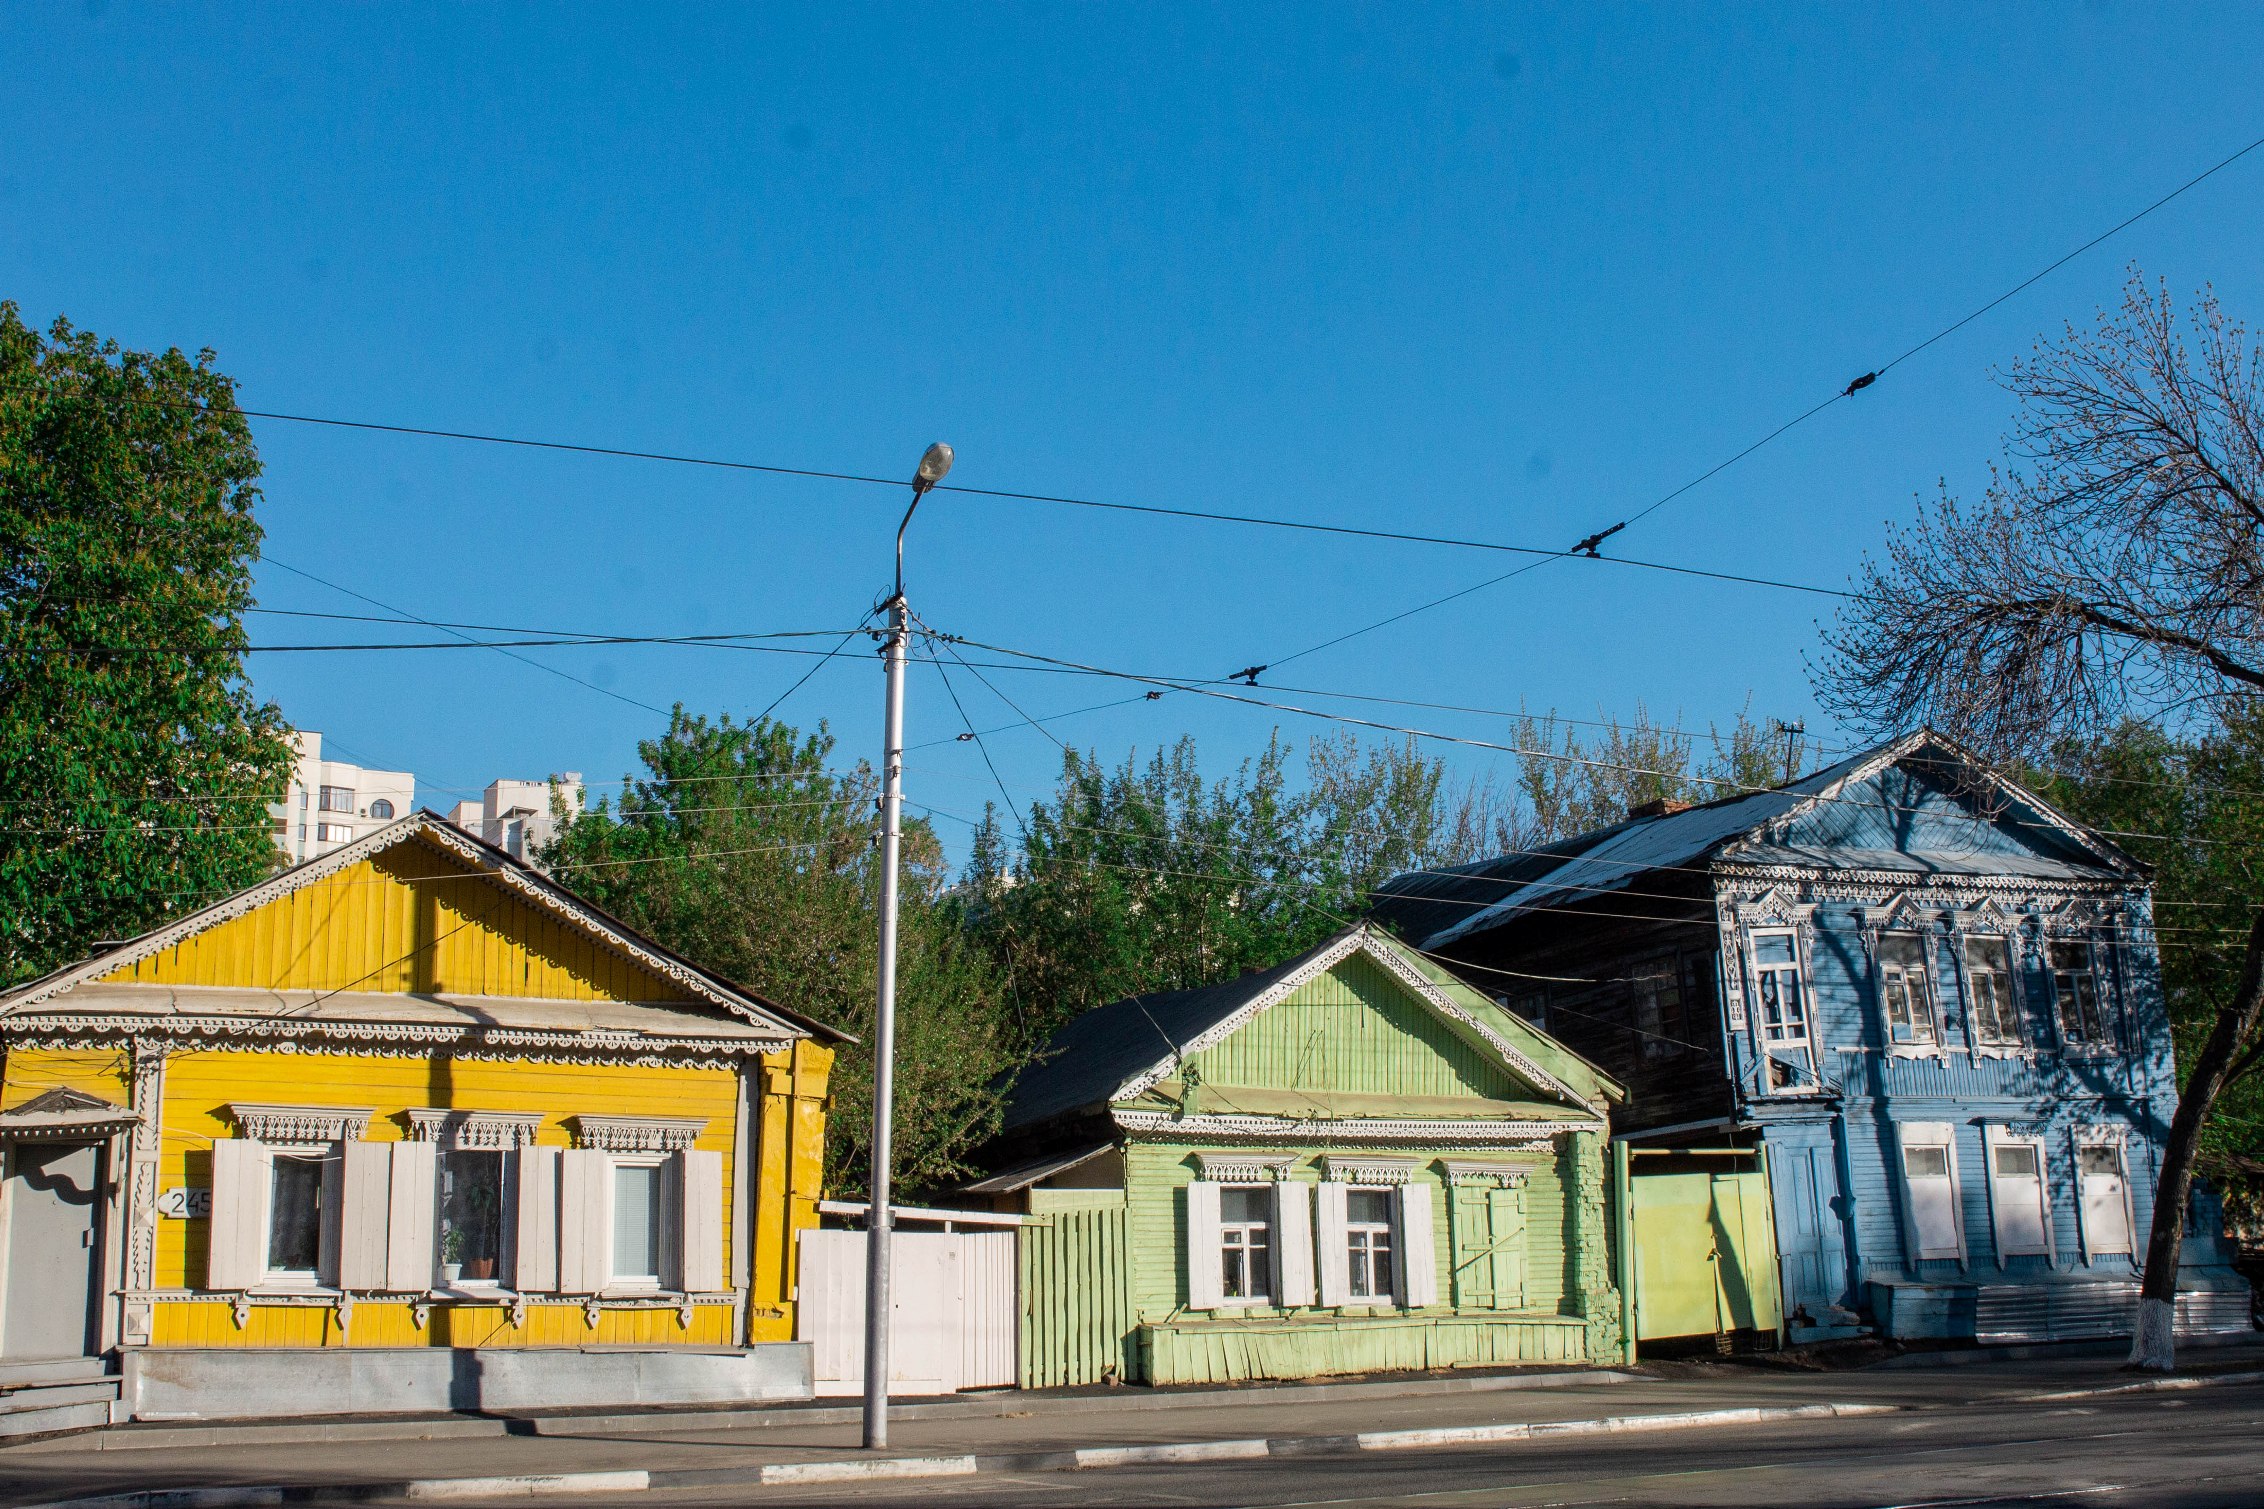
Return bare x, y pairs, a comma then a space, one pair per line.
1926, 1006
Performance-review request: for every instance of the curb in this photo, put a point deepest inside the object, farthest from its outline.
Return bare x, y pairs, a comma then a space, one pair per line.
2150, 1386
1084, 1459
154, 1436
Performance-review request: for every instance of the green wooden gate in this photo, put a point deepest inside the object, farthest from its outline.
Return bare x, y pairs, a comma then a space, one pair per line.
1076, 1290
1705, 1253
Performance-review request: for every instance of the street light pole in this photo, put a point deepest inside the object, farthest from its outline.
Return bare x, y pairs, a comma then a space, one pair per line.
879, 1220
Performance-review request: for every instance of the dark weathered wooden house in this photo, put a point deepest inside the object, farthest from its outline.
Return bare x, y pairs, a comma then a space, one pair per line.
1926, 1002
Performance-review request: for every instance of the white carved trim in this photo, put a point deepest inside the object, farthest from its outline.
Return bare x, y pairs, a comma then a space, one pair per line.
281, 1124
1338, 1169
1245, 1168
493, 864
1504, 1135
473, 1129
387, 1039
1385, 953
1478, 1171
636, 1134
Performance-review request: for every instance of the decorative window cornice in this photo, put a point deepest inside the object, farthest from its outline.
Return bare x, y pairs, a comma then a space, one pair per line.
267, 1123
473, 1129
636, 1134
1341, 1170
1482, 1172
1245, 1168
1501, 1135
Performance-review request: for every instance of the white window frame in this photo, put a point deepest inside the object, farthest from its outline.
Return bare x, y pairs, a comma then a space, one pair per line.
1925, 1001
1260, 1272
1917, 1134
507, 1216
666, 1240
2118, 1138
336, 799
1982, 1046
1994, 1138
323, 1155
1767, 1050
2102, 1046
1393, 1247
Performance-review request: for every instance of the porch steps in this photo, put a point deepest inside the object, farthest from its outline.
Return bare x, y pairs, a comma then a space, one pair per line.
40, 1397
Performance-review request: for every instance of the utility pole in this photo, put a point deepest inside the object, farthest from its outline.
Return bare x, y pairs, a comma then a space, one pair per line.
879, 1221
1791, 732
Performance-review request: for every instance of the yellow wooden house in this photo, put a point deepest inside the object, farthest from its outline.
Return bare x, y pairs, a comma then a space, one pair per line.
409, 1126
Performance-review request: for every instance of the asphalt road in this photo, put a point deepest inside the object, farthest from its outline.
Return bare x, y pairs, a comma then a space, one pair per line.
2195, 1451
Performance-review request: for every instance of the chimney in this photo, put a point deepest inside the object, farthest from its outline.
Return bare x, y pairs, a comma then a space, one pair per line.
1658, 806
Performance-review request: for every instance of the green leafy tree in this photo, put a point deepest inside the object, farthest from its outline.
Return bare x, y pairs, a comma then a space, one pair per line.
135, 763
2193, 808
745, 851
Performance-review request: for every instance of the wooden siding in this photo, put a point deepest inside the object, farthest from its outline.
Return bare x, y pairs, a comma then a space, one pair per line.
407, 919
199, 1086
1354, 1029
1202, 1351
382, 1323
26, 1073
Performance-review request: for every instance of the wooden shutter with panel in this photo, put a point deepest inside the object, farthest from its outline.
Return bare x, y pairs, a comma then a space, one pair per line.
1206, 1274
237, 1256
534, 1261
700, 1233
585, 1233
1418, 1278
1335, 1261
364, 1216
1292, 1244
409, 1255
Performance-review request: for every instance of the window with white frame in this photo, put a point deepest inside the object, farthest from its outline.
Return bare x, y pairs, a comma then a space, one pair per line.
640, 1226
1368, 1243
2075, 990
2019, 1200
1906, 991
1988, 979
640, 1208
2103, 1196
1930, 1190
1245, 1243
294, 1216
1776, 982
472, 1194
336, 799
333, 833
381, 808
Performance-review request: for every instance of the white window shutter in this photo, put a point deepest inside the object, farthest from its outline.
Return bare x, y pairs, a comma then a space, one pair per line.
1292, 1244
237, 1257
409, 1254
1206, 1272
330, 1228
362, 1215
700, 1236
585, 1240
1418, 1264
1336, 1261
535, 1242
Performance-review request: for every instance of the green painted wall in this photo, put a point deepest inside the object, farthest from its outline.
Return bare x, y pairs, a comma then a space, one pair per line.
1076, 1290
1353, 1028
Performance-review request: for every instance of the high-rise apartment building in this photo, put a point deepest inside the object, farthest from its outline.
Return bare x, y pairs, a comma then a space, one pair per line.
330, 802
518, 816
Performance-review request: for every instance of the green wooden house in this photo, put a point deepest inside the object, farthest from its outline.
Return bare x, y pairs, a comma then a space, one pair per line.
1352, 1162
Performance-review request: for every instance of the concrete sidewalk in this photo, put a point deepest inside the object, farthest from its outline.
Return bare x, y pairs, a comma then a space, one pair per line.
594, 1457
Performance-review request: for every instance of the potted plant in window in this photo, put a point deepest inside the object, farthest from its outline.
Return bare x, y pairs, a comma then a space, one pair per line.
482, 1201
451, 1255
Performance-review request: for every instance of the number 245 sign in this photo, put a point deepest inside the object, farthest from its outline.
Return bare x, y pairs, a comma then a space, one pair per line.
186, 1204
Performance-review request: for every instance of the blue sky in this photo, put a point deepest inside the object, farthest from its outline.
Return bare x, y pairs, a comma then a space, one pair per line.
1483, 271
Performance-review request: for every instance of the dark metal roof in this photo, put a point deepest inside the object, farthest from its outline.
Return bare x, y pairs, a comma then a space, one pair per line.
1434, 909
1085, 1061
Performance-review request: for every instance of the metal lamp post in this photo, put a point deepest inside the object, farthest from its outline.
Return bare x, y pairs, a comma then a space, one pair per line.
878, 1219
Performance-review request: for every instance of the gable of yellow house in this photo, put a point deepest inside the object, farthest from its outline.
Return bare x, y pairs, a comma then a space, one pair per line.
299, 1150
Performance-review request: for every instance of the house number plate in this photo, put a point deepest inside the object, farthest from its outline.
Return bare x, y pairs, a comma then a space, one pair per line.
186, 1204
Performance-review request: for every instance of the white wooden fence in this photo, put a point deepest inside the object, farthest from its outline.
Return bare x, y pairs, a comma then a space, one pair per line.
954, 1310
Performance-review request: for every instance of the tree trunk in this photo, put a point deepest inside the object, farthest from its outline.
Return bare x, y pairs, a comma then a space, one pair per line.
2154, 1339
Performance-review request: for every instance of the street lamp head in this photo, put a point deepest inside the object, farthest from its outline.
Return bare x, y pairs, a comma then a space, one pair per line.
934, 466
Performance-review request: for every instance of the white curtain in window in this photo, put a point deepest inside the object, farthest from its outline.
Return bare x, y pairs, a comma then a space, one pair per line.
408, 1243
364, 1214
1330, 1199
1205, 1273
700, 1245
237, 1257
535, 1250
1418, 1278
1292, 1244
2020, 1208
585, 1228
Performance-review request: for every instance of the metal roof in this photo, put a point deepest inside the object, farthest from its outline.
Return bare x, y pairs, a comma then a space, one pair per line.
1437, 908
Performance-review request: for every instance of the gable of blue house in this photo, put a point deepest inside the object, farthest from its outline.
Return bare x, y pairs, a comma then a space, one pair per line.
1928, 1001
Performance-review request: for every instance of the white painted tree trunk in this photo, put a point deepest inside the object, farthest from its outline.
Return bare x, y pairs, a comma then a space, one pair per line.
2153, 1344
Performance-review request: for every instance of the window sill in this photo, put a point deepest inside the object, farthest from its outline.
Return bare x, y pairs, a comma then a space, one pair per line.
478, 1294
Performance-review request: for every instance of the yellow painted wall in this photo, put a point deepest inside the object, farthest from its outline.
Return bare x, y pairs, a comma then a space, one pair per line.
790, 1143
31, 1072
410, 918
204, 1323
200, 1085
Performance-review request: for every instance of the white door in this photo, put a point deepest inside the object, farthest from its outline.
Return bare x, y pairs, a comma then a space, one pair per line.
1933, 1198
51, 1203
2106, 1199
